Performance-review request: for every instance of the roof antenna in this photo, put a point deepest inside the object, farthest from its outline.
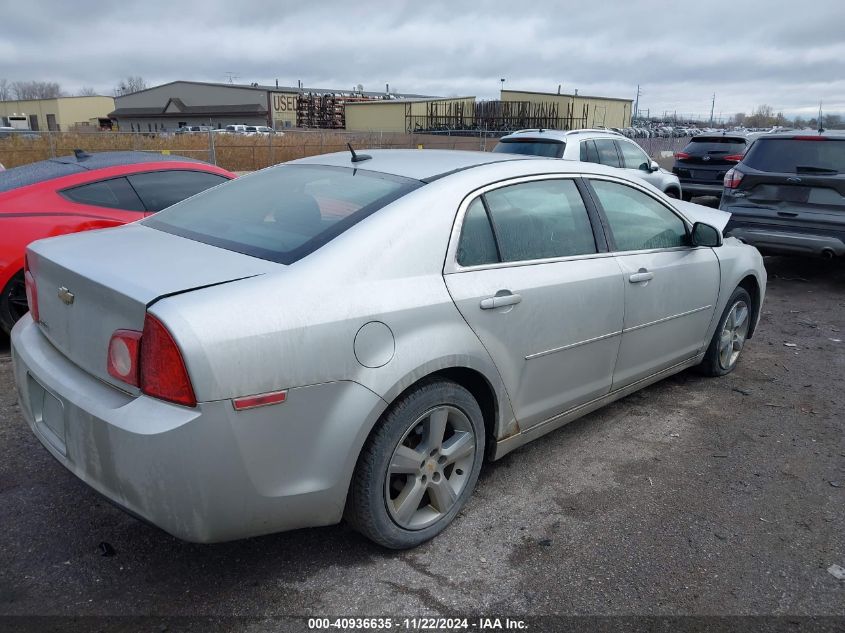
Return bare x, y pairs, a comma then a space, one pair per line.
81, 154
357, 158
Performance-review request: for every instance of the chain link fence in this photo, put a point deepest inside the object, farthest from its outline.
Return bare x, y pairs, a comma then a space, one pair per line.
239, 152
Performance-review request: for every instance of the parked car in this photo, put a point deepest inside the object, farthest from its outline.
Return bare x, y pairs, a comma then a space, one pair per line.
236, 128
264, 130
702, 164
592, 146
293, 351
83, 192
787, 195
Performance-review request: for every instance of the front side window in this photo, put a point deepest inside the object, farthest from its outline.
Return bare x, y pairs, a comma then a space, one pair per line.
539, 220
160, 189
633, 157
607, 152
115, 193
638, 221
284, 213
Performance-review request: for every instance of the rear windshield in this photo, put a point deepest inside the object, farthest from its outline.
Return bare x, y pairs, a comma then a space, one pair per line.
284, 213
531, 147
792, 156
715, 145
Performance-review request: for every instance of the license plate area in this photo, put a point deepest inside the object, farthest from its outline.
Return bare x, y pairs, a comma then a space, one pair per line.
49, 414
793, 194
708, 174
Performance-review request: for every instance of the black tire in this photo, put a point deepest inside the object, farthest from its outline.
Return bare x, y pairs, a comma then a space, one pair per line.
686, 197
13, 302
372, 484
672, 193
714, 363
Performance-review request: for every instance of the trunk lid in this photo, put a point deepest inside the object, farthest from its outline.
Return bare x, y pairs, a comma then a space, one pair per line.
93, 283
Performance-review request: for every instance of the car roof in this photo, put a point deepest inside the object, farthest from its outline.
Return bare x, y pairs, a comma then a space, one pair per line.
560, 135
425, 165
66, 165
835, 134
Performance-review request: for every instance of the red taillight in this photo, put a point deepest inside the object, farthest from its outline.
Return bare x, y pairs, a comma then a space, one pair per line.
681, 155
733, 158
732, 179
152, 361
163, 373
809, 138
123, 356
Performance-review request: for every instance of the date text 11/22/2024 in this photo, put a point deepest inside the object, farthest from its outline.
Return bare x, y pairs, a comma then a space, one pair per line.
417, 624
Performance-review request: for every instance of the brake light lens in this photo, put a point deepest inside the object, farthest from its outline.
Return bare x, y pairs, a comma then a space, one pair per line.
733, 158
681, 155
123, 356
732, 179
152, 361
31, 294
162, 371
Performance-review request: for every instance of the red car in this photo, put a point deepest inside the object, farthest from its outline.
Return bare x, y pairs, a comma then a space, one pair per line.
84, 192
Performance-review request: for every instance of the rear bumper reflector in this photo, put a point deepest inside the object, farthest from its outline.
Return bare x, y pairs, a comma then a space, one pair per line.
259, 400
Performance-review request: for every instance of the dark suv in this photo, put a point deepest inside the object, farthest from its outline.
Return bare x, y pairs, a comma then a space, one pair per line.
787, 196
702, 164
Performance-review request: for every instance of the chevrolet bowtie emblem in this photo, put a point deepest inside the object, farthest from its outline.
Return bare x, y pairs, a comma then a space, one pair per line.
65, 295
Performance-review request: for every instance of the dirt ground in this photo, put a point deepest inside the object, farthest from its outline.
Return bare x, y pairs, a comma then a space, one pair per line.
695, 496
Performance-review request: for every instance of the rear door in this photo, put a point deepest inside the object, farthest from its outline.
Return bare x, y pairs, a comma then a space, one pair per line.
797, 181
637, 163
670, 288
535, 282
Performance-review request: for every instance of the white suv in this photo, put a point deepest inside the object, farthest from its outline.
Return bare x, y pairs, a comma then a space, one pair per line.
592, 146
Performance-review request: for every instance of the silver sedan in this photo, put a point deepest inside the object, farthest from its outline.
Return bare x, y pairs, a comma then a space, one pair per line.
352, 335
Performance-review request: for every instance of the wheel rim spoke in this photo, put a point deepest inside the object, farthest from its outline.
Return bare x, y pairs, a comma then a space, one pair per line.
459, 446
408, 501
405, 461
436, 428
442, 495
740, 317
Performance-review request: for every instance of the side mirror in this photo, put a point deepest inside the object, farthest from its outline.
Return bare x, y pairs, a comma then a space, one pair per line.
705, 235
653, 166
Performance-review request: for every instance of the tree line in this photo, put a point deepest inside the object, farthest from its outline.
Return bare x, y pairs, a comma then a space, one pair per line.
764, 116
28, 90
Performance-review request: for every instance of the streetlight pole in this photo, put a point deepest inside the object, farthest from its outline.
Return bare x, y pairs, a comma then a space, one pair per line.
503, 86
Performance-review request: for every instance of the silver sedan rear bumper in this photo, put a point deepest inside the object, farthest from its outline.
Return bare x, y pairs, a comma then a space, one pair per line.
203, 474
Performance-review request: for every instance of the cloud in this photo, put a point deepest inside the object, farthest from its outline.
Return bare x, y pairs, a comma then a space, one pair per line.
746, 53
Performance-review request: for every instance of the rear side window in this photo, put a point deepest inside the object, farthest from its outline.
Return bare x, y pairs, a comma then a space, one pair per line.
531, 147
638, 221
284, 213
115, 193
540, 219
160, 189
796, 156
589, 153
607, 152
477, 245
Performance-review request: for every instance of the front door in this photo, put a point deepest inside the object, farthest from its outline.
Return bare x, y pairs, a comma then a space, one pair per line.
671, 289
532, 284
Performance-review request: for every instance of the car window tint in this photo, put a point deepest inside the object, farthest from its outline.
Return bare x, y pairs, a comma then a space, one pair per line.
115, 193
787, 155
632, 156
477, 245
607, 152
284, 213
160, 189
531, 147
536, 220
589, 153
638, 221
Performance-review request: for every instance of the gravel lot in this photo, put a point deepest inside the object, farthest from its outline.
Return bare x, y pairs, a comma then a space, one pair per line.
695, 496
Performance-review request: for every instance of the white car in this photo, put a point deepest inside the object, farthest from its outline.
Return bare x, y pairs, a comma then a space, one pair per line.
592, 146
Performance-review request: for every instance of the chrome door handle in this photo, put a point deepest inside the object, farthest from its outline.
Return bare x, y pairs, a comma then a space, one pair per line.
641, 276
500, 300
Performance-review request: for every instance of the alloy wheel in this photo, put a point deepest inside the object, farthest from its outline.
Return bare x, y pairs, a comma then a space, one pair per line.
734, 333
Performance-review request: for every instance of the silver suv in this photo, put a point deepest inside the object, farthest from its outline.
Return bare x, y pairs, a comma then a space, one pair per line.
592, 146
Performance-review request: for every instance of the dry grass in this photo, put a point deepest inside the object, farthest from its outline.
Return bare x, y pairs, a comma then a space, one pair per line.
233, 152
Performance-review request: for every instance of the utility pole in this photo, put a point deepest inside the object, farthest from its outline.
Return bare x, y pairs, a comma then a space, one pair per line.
637, 104
503, 86
712, 105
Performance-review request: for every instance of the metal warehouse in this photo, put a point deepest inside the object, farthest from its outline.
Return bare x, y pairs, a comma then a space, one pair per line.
59, 114
180, 103
578, 111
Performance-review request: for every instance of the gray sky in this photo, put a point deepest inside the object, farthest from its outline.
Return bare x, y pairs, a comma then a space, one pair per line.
789, 55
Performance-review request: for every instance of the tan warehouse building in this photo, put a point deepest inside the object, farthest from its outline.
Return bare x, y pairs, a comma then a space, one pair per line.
407, 115
61, 113
586, 111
